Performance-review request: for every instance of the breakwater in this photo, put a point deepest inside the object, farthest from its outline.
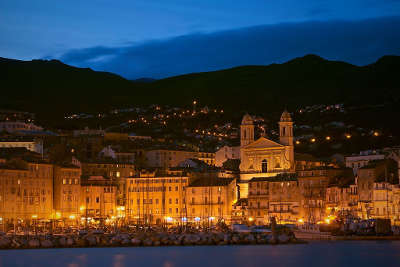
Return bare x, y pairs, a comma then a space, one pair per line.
143, 239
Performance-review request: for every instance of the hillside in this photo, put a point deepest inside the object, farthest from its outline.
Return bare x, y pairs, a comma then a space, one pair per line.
306, 80
43, 86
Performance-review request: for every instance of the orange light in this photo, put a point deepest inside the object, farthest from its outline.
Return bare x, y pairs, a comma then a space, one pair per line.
376, 134
313, 140
328, 138
348, 136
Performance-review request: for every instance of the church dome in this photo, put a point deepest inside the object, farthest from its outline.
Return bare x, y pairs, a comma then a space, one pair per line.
286, 116
247, 119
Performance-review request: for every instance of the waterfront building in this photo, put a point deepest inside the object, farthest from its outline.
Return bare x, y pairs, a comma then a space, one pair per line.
67, 192
264, 157
210, 200
26, 191
113, 170
99, 200
342, 199
376, 183
157, 197
276, 196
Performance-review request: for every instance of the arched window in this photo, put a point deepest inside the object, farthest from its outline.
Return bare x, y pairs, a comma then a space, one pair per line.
264, 166
284, 131
244, 134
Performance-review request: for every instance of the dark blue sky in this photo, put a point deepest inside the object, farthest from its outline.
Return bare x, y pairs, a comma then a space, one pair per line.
159, 38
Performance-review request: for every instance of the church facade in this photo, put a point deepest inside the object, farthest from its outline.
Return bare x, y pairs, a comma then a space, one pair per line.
264, 157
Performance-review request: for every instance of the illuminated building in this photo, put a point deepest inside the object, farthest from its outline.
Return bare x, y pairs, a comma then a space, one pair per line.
277, 197
210, 200
98, 198
264, 157
26, 190
156, 198
377, 185
67, 191
342, 199
112, 170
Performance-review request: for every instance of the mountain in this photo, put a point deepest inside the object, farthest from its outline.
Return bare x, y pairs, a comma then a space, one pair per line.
52, 88
301, 81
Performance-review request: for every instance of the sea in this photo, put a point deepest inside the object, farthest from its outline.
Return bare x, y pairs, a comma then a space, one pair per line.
315, 253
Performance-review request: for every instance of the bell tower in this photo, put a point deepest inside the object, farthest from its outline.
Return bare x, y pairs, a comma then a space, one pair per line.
246, 130
286, 129
286, 137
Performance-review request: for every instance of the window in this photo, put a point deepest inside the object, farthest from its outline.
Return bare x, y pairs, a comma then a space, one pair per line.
64, 181
176, 188
97, 200
264, 166
156, 200
176, 201
170, 201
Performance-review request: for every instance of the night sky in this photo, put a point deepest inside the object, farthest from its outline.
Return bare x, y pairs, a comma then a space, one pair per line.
160, 38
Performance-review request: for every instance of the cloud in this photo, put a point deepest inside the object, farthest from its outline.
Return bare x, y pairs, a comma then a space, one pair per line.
357, 42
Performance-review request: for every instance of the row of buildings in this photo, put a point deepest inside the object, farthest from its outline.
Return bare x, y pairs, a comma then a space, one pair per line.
272, 181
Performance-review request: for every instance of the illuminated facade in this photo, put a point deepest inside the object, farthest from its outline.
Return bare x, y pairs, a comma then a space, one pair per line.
210, 200
277, 197
98, 199
154, 198
26, 191
264, 157
117, 172
67, 192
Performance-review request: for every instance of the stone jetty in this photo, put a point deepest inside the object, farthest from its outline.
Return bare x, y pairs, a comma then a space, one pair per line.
146, 239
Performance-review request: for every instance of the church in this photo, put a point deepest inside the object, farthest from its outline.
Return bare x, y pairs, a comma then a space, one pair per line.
264, 157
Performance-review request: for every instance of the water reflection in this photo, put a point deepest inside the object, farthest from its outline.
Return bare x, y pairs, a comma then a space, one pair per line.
326, 254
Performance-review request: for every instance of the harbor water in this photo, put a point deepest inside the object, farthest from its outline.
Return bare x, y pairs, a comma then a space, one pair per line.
316, 253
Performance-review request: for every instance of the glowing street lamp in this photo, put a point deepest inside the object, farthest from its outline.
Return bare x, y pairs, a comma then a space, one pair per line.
313, 140
328, 138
